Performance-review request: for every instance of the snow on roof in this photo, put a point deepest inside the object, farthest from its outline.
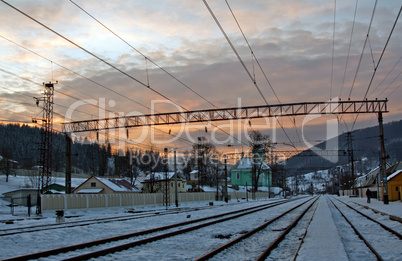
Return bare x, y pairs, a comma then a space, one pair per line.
247, 163
90, 191
118, 184
159, 176
396, 173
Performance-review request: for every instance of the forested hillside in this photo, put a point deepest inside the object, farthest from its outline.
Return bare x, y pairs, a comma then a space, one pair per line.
366, 145
21, 143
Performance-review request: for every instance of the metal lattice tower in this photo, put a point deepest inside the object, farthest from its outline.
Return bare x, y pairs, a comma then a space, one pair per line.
46, 141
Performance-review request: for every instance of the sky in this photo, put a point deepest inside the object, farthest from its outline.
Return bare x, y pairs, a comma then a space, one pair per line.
118, 58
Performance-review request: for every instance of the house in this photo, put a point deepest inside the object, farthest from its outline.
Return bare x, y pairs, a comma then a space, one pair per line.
369, 181
104, 185
394, 182
156, 182
241, 173
372, 181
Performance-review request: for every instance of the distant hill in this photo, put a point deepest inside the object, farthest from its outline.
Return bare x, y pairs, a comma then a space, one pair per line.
366, 145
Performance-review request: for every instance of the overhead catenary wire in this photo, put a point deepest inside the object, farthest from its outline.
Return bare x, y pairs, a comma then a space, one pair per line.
158, 66
92, 54
241, 61
146, 57
76, 73
364, 46
349, 47
29, 80
263, 72
382, 53
379, 61
333, 52
389, 72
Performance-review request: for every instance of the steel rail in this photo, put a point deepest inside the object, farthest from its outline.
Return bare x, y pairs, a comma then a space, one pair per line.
279, 239
248, 234
375, 221
359, 234
66, 249
144, 214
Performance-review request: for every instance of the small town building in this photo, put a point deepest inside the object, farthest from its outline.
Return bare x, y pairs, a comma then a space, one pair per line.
241, 173
20, 196
156, 182
106, 185
394, 182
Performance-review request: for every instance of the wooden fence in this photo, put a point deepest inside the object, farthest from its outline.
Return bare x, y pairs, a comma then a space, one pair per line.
91, 201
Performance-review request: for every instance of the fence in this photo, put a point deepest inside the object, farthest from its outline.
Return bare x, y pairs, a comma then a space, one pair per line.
90, 201
19, 206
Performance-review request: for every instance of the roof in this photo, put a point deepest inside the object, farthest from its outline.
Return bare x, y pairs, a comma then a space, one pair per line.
118, 184
247, 163
90, 191
394, 168
393, 175
160, 176
115, 184
21, 189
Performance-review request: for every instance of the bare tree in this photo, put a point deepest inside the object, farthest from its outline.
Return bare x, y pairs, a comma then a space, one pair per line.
202, 152
259, 144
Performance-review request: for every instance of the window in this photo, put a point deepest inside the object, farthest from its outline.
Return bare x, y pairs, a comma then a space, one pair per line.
93, 184
171, 184
183, 185
237, 175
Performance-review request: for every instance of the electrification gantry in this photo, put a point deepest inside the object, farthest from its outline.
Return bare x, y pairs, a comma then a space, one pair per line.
234, 113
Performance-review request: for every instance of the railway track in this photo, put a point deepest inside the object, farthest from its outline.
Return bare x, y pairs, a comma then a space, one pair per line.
376, 236
260, 235
104, 245
86, 222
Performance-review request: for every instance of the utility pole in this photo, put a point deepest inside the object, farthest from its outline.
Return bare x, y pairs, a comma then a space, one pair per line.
226, 182
68, 163
383, 160
175, 181
351, 159
166, 194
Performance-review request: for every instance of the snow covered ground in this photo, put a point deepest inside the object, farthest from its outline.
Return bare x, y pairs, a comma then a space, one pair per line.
327, 237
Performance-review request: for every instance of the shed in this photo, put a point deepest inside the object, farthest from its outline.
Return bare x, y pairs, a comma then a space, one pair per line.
106, 185
20, 196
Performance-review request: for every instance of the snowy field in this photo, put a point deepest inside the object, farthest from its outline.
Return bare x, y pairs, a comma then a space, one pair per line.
327, 237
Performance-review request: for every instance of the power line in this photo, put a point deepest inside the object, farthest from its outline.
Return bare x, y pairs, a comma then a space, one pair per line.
350, 44
379, 60
148, 59
92, 54
333, 52
234, 50
383, 51
392, 69
364, 46
241, 61
61, 116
